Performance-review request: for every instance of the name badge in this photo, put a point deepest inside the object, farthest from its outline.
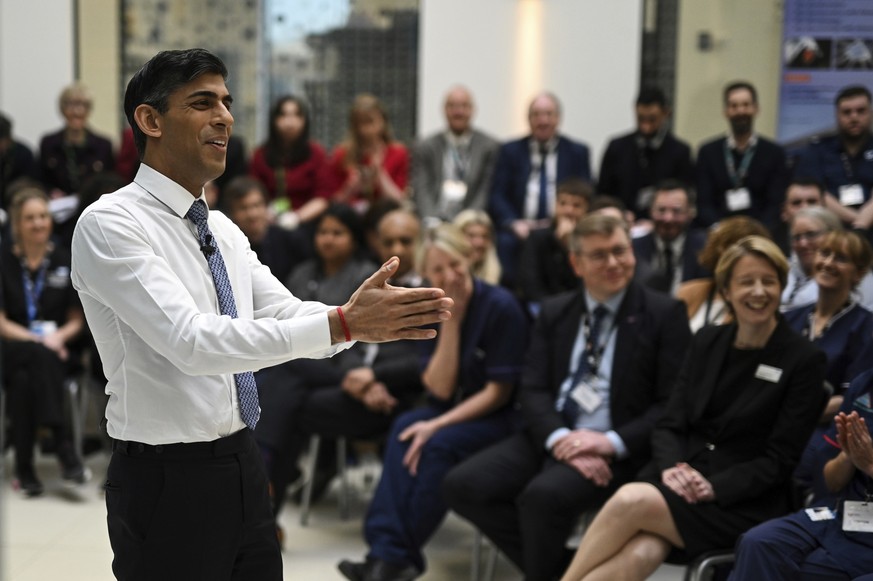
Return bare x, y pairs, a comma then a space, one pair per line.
58, 278
43, 328
645, 197
454, 191
586, 396
818, 513
858, 516
768, 373
851, 195
738, 199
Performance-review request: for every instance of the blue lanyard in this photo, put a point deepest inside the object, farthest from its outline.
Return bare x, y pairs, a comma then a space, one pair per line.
738, 176
33, 288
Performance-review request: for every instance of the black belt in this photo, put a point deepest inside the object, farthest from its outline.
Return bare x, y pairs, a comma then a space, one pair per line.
232, 444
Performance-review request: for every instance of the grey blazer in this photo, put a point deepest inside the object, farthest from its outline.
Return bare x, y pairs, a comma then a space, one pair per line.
427, 172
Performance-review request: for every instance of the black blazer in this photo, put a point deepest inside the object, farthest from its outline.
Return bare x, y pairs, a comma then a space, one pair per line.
753, 454
622, 176
651, 339
766, 180
695, 240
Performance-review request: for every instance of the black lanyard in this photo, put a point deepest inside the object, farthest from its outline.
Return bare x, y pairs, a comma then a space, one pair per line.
738, 176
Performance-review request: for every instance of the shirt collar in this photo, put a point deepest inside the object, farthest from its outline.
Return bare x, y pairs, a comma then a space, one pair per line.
611, 304
165, 190
655, 141
732, 143
551, 145
462, 140
676, 244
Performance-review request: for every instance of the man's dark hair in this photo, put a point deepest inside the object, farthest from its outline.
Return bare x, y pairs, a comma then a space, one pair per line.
852, 91
160, 77
576, 187
807, 182
674, 184
652, 96
239, 187
737, 85
5, 127
606, 201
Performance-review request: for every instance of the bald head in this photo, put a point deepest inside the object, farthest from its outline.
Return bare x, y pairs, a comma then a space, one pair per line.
544, 114
459, 109
399, 232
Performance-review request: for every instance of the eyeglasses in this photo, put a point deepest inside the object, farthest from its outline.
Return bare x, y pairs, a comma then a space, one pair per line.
811, 235
602, 256
838, 257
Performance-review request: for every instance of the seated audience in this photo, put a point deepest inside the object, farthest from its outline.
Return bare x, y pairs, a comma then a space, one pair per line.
670, 250
843, 162
281, 250
705, 304
359, 395
70, 156
291, 165
451, 170
634, 163
369, 164
470, 371
838, 325
824, 542
746, 400
588, 412
39, 319
742, 173
16, 161
477, 228
545, 268
808, 227
801, 193
526, 176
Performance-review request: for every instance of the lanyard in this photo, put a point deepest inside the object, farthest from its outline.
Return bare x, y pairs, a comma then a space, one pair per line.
847, 167
33, 288
460, 162
737, 176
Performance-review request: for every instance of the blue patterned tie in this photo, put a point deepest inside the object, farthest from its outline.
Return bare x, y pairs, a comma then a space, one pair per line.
246, 388
571, 409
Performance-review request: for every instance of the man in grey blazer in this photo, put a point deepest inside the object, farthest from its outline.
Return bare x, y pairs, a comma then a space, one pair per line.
451, 170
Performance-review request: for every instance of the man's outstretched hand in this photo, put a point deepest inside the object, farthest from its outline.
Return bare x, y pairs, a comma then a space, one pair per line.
378, 312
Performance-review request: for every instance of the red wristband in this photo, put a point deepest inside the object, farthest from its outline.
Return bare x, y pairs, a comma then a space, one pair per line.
348, 333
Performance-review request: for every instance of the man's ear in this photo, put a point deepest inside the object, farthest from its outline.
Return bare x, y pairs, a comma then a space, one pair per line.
148, 120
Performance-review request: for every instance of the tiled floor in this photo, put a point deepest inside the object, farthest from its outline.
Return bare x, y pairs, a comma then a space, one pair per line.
62, 536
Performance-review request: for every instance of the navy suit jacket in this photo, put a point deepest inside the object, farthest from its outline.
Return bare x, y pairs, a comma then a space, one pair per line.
512, 172
695, 239
651, 338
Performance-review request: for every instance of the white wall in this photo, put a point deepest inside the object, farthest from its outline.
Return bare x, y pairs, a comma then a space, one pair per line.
36, 63
586, 52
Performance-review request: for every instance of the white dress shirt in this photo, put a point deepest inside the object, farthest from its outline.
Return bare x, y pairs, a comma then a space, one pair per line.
150, 302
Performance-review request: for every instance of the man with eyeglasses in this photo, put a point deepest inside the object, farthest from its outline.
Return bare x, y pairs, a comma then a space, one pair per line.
670, 250
802, 192
599, 368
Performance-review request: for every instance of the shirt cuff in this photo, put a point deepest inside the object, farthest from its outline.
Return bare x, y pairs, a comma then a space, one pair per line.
617, 443
555, 436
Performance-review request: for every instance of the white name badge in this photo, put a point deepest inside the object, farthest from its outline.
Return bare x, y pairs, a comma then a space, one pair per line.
43, 328
586, 396
768, 373
851, 195
454, 191
818, 513
738, 200
858, 516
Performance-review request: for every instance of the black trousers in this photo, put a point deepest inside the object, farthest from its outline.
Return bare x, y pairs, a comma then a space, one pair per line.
526, 502
191, 512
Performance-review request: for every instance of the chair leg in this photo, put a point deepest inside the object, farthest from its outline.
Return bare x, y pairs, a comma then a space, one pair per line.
341, 468
72, 389
314, 443
476, 560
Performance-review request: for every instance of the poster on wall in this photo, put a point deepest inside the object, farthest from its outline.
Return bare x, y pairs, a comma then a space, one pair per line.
825, 46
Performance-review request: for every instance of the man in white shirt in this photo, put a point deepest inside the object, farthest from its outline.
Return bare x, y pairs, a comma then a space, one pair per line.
182, 312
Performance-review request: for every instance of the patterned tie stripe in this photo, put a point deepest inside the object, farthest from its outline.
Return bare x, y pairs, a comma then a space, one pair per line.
246, 388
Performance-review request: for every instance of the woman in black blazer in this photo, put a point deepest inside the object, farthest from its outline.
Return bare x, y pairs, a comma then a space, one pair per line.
745, 402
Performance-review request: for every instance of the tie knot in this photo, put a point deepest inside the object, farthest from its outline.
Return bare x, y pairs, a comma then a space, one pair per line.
599, 312
197, 212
